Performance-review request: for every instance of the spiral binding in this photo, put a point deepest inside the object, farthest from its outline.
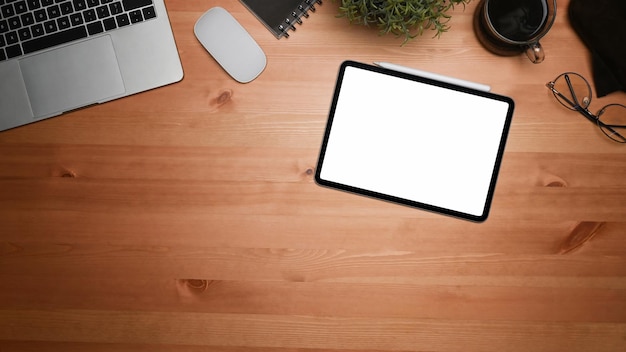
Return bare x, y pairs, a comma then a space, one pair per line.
296, 17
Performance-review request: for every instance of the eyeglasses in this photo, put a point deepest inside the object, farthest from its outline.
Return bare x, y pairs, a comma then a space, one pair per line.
574, 92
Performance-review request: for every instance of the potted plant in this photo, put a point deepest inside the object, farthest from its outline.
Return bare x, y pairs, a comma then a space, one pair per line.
403, 18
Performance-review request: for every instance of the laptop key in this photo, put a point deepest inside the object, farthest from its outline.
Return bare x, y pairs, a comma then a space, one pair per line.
15, 23
66, 8
79, 5
90, 15
7, 11
135, 16
54, 11
116, 8
76, 19
109, 24
95, 28
102, 11
20, 7
2, 55
27, 19
63, 22
33, 4
37, 30
24, 34
122, 20
13, 51
50, 26
40, 15
149, 13
135, 4
11, 38
54, 39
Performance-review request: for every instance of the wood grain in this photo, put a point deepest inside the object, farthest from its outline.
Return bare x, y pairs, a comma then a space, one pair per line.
187, 219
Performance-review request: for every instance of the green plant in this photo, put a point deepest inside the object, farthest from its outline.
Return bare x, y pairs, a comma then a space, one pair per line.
404, 18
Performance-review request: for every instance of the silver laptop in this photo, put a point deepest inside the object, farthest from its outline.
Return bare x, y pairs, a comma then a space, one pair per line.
61, 55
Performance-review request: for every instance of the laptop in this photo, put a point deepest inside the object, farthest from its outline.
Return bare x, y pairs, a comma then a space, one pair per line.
60, 55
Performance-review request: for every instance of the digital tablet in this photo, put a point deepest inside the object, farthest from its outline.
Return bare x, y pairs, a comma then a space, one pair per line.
414, 141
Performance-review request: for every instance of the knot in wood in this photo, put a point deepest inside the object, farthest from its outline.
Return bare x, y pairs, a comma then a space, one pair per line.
224, 97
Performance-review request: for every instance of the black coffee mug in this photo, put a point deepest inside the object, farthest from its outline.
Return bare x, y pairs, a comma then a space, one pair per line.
510, 27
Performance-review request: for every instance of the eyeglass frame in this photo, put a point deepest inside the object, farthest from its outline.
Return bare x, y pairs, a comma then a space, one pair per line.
576, 106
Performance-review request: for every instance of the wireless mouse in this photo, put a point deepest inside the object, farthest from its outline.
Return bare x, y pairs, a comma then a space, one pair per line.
230, 45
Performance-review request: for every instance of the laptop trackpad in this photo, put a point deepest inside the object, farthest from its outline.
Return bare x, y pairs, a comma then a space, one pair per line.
71, 77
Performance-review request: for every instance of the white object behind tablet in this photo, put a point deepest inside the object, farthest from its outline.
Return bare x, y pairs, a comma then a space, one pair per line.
230, 45
414, 141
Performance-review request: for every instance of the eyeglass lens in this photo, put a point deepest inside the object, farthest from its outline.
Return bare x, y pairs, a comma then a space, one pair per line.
574, 89
609, 118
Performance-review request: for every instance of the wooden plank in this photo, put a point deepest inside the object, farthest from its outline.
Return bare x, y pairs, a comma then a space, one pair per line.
306, 332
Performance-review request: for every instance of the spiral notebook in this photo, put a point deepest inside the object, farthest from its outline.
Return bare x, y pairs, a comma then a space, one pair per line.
281, 16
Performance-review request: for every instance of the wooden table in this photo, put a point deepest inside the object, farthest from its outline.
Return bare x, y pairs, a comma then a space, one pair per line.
187, 218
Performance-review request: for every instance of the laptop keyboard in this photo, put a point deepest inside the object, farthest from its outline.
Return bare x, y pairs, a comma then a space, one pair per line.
27, 26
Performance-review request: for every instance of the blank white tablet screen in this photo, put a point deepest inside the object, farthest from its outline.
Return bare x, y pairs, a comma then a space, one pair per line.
415, 141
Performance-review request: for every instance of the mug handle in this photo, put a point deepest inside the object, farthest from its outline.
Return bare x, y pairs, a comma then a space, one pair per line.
535, 53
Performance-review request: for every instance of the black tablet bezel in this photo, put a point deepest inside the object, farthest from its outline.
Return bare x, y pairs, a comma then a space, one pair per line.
403, 201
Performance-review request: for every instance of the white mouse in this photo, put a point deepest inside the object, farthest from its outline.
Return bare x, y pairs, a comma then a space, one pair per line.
230, 45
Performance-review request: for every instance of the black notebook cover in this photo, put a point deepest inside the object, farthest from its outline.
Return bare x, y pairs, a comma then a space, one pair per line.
281, 16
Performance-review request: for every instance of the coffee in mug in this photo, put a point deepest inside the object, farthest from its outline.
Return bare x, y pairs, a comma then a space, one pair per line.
509, 27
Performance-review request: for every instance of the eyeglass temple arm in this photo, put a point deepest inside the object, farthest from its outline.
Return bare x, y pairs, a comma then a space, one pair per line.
586, 113
611, 128
550, 85
571, 89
